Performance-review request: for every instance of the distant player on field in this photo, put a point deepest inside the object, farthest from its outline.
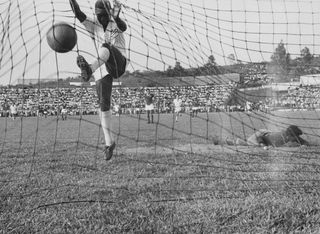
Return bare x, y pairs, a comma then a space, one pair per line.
107, 34
177, 102
195, 107
13, 111
116, 109
149, 107
64, 113
6, 109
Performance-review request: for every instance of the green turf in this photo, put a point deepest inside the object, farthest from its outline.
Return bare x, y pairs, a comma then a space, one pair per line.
166, 177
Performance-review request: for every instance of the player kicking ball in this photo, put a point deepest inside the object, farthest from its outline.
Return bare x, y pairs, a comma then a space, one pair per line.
107, 34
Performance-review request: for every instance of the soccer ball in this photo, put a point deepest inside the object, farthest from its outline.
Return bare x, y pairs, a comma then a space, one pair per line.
62, 37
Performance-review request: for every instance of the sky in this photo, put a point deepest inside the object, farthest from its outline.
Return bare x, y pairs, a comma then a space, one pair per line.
159, 34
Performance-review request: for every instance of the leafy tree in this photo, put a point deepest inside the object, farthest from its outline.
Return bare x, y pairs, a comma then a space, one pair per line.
232, 59
306, 55
210, 68
194, 71
178, 70
304, 64
170, 72
281, 58
178, 67
211, 60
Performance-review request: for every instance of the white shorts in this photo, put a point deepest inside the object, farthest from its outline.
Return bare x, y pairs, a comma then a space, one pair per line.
177, 109
149, 107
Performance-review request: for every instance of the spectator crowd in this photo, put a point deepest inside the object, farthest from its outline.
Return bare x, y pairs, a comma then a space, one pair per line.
297, 98
83, 101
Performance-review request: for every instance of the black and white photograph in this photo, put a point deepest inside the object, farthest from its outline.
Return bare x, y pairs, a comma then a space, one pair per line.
145, 116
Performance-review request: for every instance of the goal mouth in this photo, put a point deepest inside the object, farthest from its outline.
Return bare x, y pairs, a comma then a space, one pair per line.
199, 119
252, 61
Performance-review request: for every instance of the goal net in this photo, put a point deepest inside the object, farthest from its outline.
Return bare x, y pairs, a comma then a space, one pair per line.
237, 66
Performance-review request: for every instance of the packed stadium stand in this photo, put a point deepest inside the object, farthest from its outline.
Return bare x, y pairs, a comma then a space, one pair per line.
83, 100
206, 93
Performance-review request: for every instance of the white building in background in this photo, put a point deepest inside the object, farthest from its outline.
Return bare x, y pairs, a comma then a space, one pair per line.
93, 83
28, 81
313, 79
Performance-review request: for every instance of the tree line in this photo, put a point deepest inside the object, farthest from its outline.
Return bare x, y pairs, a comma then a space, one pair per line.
281, 65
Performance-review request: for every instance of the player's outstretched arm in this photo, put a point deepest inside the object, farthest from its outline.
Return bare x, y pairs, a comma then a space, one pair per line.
115, 14
76, 10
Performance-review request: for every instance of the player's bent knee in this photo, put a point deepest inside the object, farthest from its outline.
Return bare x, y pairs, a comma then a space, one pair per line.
116, 64
107, 45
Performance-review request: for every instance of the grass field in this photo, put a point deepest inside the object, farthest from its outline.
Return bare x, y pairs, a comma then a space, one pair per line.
166, 177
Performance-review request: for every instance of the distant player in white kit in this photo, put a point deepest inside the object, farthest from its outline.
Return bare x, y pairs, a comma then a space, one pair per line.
177, 102
149, 107
64, 113
13, 111
107, 34
116, 109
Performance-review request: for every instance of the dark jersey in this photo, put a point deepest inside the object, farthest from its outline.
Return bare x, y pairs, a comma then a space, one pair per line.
149, 99
281, 138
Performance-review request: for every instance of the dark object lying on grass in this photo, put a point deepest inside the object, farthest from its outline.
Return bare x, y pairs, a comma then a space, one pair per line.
263, 137
290, 135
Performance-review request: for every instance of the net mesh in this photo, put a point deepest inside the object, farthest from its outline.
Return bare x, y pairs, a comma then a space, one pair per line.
238, 66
